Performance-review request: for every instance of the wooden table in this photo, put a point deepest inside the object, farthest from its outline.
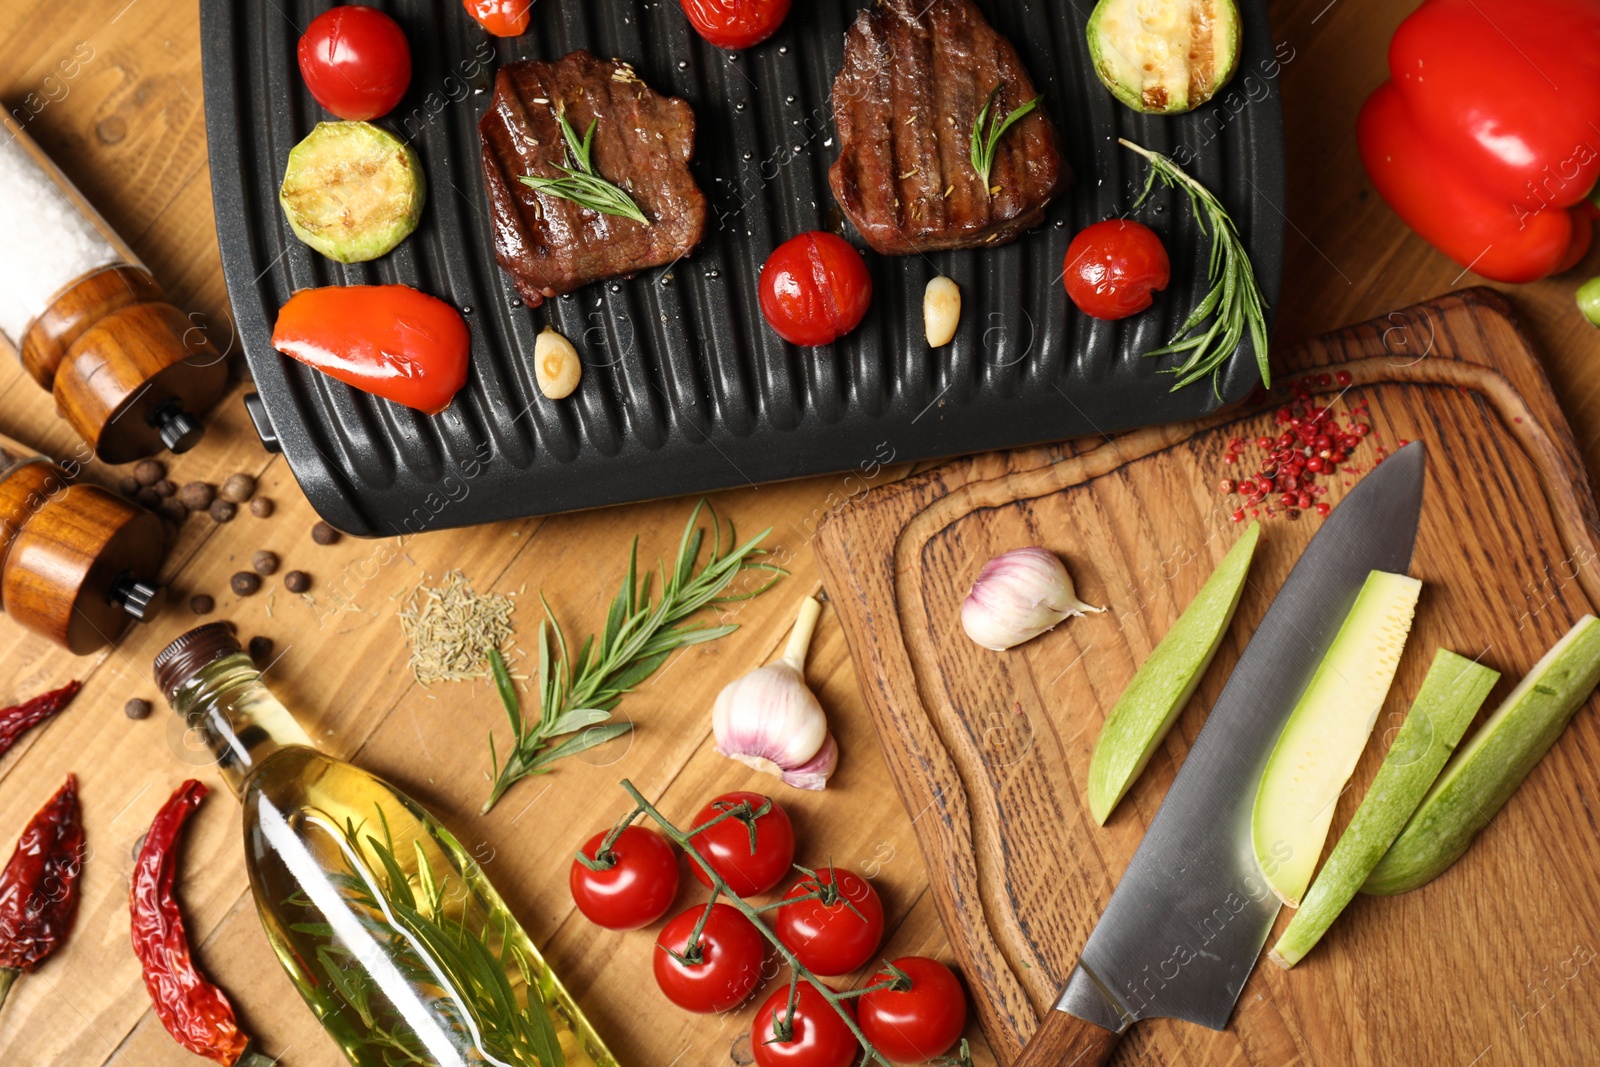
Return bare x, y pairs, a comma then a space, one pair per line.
128, 127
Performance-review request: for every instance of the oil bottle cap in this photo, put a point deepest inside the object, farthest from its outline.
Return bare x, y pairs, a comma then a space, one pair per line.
185, 657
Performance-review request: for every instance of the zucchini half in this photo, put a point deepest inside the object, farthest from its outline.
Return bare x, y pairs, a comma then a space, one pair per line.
353, 191
1164, 57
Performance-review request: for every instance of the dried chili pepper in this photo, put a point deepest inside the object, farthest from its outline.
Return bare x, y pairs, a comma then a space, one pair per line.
39, 886
20, 718
195, 1012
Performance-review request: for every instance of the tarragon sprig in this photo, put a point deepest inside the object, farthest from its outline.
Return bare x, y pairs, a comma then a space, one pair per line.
1234, 304
577, 694
581, 184
988, 128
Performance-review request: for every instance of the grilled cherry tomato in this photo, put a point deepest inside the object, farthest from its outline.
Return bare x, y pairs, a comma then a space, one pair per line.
829, 936
635, 884
1113, 266
918, 1023
355, 61
749, 865
389, 340
815, 289
815, 1037
721, 971
736, 23
503, 18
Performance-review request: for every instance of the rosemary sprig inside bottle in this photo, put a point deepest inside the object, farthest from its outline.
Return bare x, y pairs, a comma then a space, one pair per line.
433, 936
989, 128
1234, 303
577, 694
581, 184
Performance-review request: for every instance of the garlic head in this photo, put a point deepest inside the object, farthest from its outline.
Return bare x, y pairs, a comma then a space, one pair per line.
771, 721
1018, 596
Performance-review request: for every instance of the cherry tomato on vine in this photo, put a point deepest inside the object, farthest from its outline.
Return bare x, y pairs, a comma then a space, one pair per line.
721, 971
1113, 266
815, 288
748, 866
503, 18
919, 1023
815, 1037
828, 935
633, 884
736, 23
356, 61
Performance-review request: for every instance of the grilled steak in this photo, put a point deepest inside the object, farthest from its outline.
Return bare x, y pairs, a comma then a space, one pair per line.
643, 143
916, 74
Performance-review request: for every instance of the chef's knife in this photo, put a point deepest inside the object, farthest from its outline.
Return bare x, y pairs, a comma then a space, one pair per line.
1186, 923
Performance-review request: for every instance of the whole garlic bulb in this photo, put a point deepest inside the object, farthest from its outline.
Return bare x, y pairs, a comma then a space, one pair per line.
770, 719
1018, 596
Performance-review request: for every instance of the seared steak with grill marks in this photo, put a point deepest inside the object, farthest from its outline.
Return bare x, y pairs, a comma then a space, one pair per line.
643, 144
916, 74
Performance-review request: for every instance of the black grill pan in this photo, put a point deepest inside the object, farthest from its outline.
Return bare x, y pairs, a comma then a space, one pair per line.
685, 389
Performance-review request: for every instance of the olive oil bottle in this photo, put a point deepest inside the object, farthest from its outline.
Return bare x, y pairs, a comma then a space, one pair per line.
388, 928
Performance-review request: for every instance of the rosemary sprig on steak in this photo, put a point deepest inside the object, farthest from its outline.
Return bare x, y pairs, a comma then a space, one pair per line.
1233, 305
988, 128
582, 185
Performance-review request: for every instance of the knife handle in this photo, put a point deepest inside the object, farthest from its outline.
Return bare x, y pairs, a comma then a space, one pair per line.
1064, 1040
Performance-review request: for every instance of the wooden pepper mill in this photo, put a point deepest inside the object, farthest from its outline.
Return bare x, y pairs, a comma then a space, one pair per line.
77, 563
129, 371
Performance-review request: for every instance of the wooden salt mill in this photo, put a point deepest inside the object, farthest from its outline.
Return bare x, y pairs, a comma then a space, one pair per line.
77, 563
130, 372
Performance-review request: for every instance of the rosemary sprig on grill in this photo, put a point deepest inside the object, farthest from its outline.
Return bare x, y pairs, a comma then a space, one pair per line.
1234, 303
581, 184
988, 128
578, 693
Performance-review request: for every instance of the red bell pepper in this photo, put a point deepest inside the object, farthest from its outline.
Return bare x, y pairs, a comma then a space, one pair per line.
1486, 140
389, 340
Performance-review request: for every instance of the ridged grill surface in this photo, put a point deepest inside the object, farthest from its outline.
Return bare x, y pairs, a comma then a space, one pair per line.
684, 387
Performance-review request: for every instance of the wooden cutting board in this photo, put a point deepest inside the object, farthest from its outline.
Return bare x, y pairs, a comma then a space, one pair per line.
1494, 962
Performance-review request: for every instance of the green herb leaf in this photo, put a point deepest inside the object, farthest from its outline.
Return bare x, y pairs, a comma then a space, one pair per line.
986, 132
1234, 305
577, 694
581, 184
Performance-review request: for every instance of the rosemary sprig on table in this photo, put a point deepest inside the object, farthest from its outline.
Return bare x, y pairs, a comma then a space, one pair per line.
582, 185
577, 694
988, 128
1234, 303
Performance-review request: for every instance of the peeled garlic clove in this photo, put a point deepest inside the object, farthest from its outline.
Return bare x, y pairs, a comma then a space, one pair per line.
771, 721
556, 366
941, 311
1017, 597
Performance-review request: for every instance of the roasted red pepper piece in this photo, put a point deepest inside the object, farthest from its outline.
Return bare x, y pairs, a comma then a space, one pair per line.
195, 1012
1487, 139
389, 340
20, 718
39, 886
503, 18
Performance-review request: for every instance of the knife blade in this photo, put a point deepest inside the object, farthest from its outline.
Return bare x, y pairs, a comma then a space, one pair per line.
1187, 922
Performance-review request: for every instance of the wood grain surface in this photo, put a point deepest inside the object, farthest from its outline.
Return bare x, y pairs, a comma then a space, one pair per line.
994, 750
111, 89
